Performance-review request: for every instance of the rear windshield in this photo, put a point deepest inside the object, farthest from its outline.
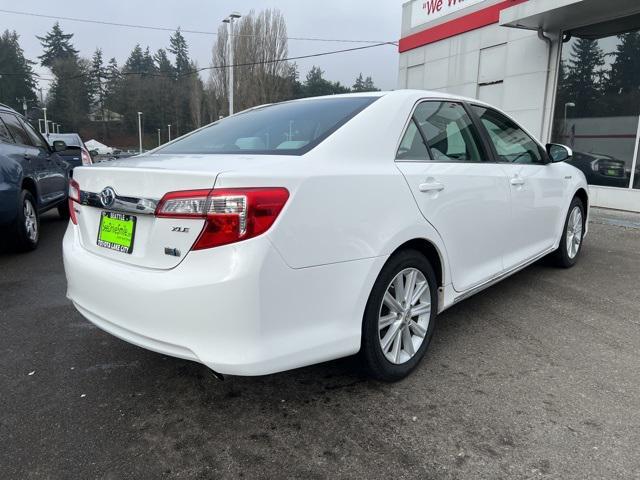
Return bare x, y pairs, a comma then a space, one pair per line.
291, 128
70, 140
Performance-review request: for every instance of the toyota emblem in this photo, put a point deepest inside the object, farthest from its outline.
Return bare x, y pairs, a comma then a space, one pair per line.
107, 197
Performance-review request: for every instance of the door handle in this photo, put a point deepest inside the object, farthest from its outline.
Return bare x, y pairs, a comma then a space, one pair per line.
431, 187
517, 181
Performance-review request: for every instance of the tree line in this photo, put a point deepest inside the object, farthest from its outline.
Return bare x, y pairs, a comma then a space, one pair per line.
100, 98
597, 87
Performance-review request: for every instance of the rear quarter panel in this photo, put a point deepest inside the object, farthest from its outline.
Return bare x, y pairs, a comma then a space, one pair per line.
348, 201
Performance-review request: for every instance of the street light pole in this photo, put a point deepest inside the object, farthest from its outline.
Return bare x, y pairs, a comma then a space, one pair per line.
140, 129
159, 141
169, 127
229, 21
46, 124
566, 107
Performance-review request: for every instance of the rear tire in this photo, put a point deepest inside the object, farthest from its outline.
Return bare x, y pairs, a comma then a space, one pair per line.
26, 229
566, 256
398, 325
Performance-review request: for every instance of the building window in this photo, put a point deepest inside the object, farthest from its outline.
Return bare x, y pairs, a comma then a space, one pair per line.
598, 106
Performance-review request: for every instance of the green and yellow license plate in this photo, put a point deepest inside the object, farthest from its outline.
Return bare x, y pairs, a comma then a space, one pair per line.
117, 232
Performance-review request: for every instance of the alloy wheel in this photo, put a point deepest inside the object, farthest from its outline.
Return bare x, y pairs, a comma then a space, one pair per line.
574, 232
30, 221
404, 316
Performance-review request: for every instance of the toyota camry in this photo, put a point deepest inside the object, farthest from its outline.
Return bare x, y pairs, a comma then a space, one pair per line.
304, 231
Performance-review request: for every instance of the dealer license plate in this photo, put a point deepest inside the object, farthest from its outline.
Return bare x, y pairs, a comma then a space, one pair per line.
117, 231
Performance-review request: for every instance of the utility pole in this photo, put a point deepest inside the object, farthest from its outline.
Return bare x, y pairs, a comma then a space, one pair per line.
169, 127
24, 104
140, 130
229, 21
46, 124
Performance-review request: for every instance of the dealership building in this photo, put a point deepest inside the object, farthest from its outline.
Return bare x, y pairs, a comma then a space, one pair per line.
567, 70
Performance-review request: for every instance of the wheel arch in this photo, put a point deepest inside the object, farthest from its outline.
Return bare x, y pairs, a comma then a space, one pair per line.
431, 252
30, 185
582, 194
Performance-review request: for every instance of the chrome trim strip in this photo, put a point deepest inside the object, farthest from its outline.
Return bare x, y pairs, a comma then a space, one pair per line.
501, 276
140, 206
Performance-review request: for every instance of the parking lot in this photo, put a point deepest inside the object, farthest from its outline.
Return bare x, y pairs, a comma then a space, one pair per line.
537, 377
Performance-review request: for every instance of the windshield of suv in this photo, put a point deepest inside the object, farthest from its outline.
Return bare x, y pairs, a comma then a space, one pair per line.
291, 128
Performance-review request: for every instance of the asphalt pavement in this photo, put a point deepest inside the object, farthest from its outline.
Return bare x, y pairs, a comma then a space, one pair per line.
537, 377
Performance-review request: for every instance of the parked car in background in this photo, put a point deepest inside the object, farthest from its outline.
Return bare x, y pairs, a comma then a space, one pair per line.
601, 169
33, 179
304, 231
99, 148
76, 152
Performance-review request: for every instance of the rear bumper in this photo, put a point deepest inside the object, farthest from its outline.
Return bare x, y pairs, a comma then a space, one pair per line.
239, 309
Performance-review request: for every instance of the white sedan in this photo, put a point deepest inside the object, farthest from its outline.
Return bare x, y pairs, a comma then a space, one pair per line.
305, 231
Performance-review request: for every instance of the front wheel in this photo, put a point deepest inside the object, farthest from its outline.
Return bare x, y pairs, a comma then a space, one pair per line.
400, 317
571, 242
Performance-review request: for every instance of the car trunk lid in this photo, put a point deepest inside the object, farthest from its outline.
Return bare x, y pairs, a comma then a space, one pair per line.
138, 184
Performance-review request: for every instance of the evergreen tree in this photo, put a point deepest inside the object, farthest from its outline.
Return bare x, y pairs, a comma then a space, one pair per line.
316, 85
164, 88
294, 87
97, 86
183, 68
16, 73
135, 62
113, 77
585, 77
163, 64
68, 102
364, 85
625, 69
57, 46
69, 95
623, 84
178, 47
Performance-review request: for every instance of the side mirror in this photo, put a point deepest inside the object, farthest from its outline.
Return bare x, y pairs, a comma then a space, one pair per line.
59, 146
559, 153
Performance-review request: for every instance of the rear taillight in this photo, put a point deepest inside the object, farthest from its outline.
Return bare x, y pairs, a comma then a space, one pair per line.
86, 157
231, 215
74, 197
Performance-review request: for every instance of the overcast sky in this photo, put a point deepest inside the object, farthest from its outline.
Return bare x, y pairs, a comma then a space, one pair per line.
343, 19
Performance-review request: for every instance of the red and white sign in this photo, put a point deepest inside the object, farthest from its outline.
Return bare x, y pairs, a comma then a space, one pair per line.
424, 11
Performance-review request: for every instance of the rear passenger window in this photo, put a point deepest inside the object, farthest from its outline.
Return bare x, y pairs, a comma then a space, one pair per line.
512, 144
13, 125
36, 139
450, 134
412, 146
5, 136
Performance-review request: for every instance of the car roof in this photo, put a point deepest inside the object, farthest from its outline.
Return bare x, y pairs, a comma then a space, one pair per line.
7, 107
403, 94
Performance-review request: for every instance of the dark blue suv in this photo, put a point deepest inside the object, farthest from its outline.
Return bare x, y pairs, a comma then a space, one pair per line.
33, 179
